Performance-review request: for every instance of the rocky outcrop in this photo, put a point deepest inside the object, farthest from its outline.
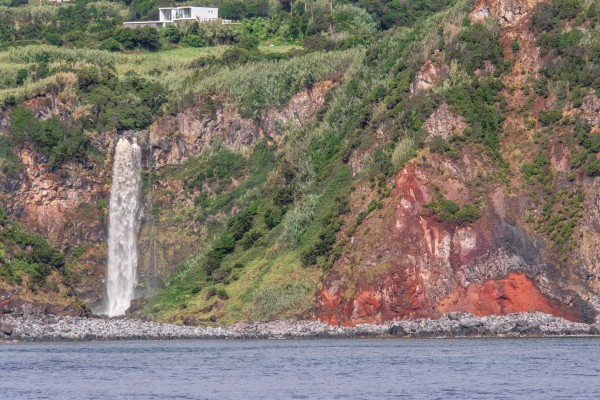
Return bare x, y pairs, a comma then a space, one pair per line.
174, 139
444, 122
590, 110
507, 12
427, 76
60, 205
426, 267
11, 304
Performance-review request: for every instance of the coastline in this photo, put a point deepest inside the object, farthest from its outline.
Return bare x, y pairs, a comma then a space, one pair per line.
55, 329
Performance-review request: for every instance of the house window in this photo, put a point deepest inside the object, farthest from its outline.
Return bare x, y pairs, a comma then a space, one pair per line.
167, 15
184, 13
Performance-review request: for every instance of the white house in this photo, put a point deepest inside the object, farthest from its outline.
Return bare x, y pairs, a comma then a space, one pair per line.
187, 13
177, 15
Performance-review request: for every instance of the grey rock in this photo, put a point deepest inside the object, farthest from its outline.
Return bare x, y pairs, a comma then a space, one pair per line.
6, 328
60, 328
397, 330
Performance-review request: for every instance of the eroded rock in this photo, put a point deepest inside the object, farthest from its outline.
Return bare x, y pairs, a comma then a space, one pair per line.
444, 122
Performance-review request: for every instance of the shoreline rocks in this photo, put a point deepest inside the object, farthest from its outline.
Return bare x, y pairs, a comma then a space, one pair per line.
66, 328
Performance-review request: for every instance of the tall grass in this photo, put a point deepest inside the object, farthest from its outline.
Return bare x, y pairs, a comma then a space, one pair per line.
38, 88
296, 221
404, 151
258, 86
281, 301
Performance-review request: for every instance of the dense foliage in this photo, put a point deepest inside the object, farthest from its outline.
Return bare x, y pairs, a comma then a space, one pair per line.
58, 142
25, 255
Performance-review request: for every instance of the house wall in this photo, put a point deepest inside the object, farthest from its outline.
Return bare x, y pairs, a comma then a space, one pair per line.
205, 12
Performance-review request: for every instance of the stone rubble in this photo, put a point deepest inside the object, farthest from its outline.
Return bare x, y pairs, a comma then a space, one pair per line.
54, 328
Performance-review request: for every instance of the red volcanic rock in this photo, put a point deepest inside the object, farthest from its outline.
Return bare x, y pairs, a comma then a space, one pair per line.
402, 263
515, 293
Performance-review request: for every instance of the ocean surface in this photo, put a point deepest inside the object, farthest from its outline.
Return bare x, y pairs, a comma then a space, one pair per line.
549, 368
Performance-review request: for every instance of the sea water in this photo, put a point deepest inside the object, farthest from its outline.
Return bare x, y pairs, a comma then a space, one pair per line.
548, 368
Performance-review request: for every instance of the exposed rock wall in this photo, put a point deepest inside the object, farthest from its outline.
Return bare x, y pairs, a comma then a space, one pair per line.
69, 207
403, 263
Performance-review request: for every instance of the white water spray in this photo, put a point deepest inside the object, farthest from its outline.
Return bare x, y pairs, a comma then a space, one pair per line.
124, 223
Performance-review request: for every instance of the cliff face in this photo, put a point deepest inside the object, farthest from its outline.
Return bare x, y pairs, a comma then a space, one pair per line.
69, 207
451, 208
403, 262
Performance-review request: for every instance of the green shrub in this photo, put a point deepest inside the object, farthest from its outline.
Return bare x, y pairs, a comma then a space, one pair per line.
110, 44
224, 245
193, 41
22, 253
515, 46
544, 17
549, 117
249, 42
241, 223
144, 38
568, 9
250, 239
273, 217
439, 145
10, 164
216, 167
449, 211
58, 142
474, 45
171, 34
480, 104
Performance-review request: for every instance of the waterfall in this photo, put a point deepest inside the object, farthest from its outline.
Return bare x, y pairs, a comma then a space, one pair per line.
124, 223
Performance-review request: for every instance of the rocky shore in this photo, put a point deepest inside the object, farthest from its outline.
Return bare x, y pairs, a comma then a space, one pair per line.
55, 328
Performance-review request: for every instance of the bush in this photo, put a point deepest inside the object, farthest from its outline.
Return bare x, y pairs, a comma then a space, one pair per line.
171, 34
475, 45
110, 44
544, 17
449, 211
250, 239
25, 253
193, 41
224, 245
249, 42
318, 43
591, 166
273, 217
219, 166
567, 9
58, 142
549, 117
479, 103
144, 38
439, 145
241, 223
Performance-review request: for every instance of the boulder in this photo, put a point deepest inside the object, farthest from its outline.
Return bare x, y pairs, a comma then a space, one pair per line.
397, 330
136, 305
6, 328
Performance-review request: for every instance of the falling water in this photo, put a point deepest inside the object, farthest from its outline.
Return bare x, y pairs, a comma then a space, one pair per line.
124, 222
